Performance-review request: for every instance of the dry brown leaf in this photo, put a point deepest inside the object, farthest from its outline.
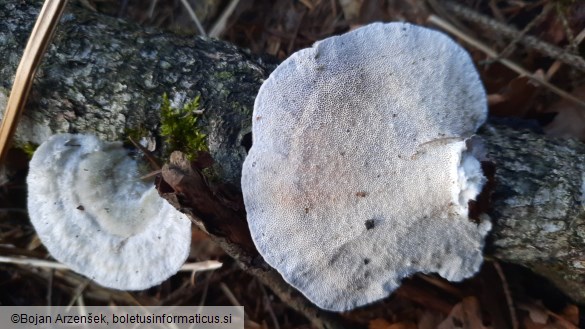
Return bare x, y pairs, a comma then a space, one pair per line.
513, 100
465, 315
429, 320
529, 324
383, 324
424, 297
541, 318
537, 313
571, 314
379, 324
403, 325
570, 120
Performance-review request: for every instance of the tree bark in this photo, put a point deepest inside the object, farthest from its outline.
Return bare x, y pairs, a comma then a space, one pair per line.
538, 208
106, 77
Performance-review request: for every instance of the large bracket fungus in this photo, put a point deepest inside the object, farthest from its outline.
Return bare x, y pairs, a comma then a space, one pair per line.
359, 174
93, 213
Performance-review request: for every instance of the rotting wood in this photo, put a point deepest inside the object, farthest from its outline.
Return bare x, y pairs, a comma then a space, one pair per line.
104, 76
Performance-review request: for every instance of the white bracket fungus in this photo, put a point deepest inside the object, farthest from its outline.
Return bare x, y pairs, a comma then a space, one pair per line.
359, 174
94, 214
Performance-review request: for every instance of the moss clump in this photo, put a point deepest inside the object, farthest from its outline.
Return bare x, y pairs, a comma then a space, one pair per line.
28, 148
180, 129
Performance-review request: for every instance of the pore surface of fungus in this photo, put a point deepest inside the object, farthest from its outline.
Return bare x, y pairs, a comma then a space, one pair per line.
93, 213
359, 174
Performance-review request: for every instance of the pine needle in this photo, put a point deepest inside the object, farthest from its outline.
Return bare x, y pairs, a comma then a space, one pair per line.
36, 47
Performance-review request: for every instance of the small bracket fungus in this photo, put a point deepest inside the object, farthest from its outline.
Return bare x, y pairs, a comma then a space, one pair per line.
94, 214
359, 174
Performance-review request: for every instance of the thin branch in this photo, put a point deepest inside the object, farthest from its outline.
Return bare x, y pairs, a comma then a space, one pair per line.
194, 17
207, 265
505, 30
508, 63
552, 70
219, 26
507, 294
537, 20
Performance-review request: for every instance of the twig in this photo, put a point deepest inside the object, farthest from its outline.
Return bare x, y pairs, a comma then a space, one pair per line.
552, 70
506, 289
232, 298
228, 293
568, 32
82, 309
440, 283
496, 11
33, 262
207, 265
77, 292
40, 38
529, 41
194, 17
153, 163
151, 8
440, 10
205, 290
508, 63
537, 20
219, 26
269, 307
150, 174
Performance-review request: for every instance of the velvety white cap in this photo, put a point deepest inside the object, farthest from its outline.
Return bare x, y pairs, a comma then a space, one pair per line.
94, 214
359, 175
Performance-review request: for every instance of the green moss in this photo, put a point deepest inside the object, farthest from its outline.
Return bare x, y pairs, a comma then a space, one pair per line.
180, 129
28, 148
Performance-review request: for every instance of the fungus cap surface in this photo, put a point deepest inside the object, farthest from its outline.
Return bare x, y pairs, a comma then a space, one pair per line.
94, 214
358, 175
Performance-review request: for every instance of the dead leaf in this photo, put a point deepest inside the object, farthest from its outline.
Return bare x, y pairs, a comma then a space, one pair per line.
539, 317
571, 314
403, 325
537, 313
515, 99
379, 324
429, 320
383, 324
570, 120
465, 315
424, 297
529, 324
